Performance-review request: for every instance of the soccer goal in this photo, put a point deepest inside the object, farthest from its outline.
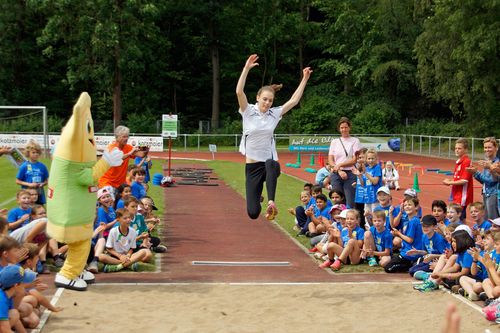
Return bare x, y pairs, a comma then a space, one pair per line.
15, 120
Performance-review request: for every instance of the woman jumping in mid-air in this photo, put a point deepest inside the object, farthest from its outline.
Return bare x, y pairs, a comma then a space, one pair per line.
257, 143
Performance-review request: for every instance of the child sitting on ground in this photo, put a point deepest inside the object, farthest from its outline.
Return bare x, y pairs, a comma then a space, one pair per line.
439, 211
377, 242
122, 193
34, 288
316, 214
476, 210
11, 289
411, 237
33, 195
339, 214
19, 216
337, 197
323, 176
121, 244
11, 253
301, 219
434, 246
384, 199
471, 286
32, 173
105, 212
453, 213
137, 187
390, 176
489, 289
147, 204
453, 269
346, 244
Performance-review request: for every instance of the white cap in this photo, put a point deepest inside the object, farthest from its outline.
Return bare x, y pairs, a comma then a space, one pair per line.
343, 214
384, 189
496, 221
466, 228
411, 192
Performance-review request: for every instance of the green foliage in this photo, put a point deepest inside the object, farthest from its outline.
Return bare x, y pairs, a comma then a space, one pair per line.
435, 127
376, 117
458, 60
423, 58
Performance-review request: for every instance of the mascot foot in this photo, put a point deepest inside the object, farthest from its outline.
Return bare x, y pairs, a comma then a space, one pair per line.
87, 276
76, 284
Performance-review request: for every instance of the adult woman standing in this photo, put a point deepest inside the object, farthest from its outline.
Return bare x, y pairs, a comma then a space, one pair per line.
257, 143
487, 178
342, 157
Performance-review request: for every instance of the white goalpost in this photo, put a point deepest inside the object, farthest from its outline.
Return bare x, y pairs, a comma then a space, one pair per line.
36, 109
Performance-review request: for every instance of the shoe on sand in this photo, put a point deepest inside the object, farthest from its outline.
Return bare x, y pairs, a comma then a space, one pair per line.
87, 276
75, 284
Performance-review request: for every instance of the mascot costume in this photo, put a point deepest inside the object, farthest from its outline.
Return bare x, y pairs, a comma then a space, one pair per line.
71, 204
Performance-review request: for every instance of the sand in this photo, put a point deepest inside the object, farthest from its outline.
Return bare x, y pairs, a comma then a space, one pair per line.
325, 307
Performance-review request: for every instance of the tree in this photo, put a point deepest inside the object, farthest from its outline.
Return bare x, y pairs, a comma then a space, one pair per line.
458, 60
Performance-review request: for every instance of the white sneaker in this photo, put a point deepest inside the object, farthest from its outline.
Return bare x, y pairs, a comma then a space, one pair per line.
93, 267
63, 282
87, 276
318, 255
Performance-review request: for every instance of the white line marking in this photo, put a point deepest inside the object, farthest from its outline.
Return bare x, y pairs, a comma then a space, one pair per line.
240, 263
245, 283
46, 313
6, 202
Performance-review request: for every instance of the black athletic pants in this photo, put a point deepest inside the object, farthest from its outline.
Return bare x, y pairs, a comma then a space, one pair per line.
256, 174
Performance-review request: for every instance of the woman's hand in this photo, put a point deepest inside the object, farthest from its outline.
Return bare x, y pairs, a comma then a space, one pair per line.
342, 174
306, 72
252, 61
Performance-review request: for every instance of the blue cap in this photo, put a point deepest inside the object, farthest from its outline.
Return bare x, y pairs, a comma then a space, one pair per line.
10, 276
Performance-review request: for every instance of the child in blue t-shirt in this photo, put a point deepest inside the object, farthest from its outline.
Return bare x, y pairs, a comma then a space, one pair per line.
316, 215
105, 212
384, 199
456, 266
434, 246
476, 210
20, 216
122, 193
145, 163
377, 241
411, 237
32, 173
346, 244
489, 289
372, 179
472, 285
322, 177
11, 287
439, 210
137, 187
359, 194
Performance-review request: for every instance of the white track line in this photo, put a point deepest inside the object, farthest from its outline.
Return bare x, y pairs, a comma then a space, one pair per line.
245, 283
240, 263
3, 204
46, 313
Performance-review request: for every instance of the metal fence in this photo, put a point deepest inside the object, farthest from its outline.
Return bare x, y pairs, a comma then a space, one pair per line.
439, 146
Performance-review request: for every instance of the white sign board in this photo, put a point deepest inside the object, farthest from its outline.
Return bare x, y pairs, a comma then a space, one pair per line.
169, 125
21, 140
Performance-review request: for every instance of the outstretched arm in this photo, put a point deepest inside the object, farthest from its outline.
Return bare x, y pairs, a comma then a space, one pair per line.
297, 95
242, 98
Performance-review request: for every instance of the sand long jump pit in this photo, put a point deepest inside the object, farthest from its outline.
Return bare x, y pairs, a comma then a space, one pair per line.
218, 307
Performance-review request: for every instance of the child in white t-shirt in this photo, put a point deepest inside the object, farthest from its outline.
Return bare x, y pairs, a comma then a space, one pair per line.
121, 244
